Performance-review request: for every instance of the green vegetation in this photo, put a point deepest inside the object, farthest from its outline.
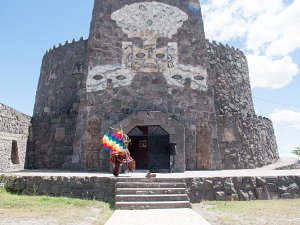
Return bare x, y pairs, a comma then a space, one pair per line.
296, 151
251, 212
22, 209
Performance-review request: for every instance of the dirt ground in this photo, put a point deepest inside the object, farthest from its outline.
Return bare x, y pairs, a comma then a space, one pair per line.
272, 212
70, 216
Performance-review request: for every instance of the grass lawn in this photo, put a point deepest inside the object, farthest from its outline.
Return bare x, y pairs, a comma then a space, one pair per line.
20, 209
251, 212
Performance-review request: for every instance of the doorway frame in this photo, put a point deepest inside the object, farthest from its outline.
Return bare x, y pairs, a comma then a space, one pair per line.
146, 136
175, 129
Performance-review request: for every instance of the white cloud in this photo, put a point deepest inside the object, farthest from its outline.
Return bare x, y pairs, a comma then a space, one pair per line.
287, 129
269, 29
230, 19
276, 30
268, 73
286, 118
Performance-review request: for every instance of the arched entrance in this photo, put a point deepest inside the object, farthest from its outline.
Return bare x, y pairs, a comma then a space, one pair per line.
149, 148
173, 128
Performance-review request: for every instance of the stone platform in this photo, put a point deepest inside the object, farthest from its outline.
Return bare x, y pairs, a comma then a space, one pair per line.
247, 184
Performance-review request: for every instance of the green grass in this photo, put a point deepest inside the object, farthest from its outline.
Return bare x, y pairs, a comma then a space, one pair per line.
259, 206
283, 211
57, 210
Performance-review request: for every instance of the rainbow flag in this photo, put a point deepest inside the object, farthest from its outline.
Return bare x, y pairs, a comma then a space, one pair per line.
114, 142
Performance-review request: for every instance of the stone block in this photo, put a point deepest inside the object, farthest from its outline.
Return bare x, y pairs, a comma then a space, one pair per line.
272, 187
79, 183
220, 196
208, 185
286, 196
218, 186
293, 189
261, 181
197, 185
65, 191
55, 189
19, 184
273, 180
44, 186
262, 193
273, 195
251, 195
232, 197
209, 195
243, 195
77, 193
229, 187
249, 183
238, 181
60, 134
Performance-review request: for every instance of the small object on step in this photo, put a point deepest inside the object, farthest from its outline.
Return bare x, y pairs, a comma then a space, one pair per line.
150, 175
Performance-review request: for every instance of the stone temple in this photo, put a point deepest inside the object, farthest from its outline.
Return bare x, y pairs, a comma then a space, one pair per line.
148, 68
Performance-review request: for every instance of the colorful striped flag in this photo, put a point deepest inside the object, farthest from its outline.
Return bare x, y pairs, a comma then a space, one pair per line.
114, 142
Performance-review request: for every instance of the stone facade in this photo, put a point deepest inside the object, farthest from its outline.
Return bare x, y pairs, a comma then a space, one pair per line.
14, 133
148, 63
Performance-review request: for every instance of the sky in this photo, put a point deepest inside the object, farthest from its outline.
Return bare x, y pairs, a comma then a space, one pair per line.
267, 31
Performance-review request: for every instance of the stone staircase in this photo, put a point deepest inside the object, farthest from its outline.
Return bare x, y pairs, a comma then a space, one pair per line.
151, 193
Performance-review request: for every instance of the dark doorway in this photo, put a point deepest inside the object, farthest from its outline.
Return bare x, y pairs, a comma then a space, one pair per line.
14, 153
148, 148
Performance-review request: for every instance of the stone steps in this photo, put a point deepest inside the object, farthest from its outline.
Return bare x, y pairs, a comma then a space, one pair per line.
153, 205
149, 185
152, 193
148, 191
151, 197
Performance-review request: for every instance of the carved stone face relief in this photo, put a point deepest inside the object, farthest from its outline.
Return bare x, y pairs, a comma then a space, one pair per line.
149, 58
148, 21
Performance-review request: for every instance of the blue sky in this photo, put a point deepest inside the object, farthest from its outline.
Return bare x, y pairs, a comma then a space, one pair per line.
267, 31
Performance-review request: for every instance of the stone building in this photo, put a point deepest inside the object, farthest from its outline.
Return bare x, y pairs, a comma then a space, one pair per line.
147, 67
14, 130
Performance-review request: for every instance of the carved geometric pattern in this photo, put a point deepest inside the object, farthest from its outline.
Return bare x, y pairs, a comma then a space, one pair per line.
148, 21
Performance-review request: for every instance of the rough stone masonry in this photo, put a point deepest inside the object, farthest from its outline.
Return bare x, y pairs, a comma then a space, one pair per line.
147, 67
14, 133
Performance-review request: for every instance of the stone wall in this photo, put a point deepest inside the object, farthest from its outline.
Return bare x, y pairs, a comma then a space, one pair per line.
243, 188
198, 189
245, 140
228, 69
61, 83
14, 131
99, 188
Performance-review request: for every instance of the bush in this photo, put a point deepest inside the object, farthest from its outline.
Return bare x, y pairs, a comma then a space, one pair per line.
296, 151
